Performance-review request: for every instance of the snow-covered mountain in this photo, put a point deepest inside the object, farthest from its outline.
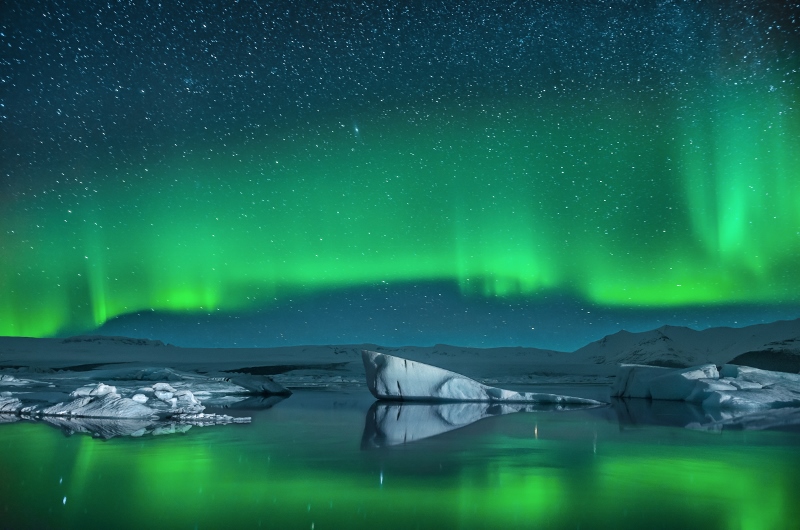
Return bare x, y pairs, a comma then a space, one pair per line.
774, 346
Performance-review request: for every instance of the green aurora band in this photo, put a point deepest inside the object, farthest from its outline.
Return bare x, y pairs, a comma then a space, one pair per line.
628, 201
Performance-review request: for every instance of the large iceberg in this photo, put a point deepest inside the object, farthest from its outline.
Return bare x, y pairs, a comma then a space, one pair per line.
732, 387
398, 379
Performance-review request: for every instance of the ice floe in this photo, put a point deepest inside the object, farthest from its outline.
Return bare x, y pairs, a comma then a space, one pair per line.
100, 410
137, 392
732, 387
9, 404
158, 401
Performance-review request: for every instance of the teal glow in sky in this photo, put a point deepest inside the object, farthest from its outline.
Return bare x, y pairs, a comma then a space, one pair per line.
637, 156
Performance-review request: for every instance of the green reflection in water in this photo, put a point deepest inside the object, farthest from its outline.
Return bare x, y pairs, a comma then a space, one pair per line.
299, 467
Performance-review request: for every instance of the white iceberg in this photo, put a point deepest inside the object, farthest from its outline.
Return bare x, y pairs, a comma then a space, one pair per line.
733, 387
9, 405
104, 405
102, 401
395, 378
99, 410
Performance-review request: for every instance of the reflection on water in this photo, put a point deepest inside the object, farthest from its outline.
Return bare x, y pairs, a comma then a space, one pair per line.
300, 465
394, 423
252, 403
693, 416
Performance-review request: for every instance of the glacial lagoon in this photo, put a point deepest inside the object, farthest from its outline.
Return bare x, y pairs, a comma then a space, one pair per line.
313, 461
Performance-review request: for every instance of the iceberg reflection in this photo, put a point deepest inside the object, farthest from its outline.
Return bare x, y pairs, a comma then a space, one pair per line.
389, 424
640, 411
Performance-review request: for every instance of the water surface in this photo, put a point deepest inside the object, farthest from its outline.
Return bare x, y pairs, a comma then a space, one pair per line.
300, 464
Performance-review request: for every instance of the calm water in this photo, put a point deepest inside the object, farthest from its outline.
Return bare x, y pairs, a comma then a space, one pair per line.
301, 464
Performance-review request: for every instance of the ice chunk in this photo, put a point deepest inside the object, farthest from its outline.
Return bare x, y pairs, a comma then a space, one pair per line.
762, 377
743, 385
740, 387
99, 389
163, 387
704, 388
633, 380
110, 405
184, 398
679, 384
9, 405
762, 398
395, 378
103, 401
164, 396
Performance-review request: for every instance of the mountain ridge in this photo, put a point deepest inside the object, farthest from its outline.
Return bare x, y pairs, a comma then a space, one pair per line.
772, 346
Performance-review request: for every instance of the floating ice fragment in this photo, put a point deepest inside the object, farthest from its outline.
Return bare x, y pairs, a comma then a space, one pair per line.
739, 387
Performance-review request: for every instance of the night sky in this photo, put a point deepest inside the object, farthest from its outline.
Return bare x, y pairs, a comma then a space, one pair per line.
478, 173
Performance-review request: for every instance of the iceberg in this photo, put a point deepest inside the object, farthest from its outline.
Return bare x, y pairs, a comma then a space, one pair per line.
101, 411
732, 387
97, 401
103, 401
9, 404
398, 379
139, 393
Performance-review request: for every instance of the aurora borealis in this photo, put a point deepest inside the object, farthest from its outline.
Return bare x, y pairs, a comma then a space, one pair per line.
194, 159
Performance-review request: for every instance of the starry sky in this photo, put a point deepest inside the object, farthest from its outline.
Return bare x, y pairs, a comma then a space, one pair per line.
258, 173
